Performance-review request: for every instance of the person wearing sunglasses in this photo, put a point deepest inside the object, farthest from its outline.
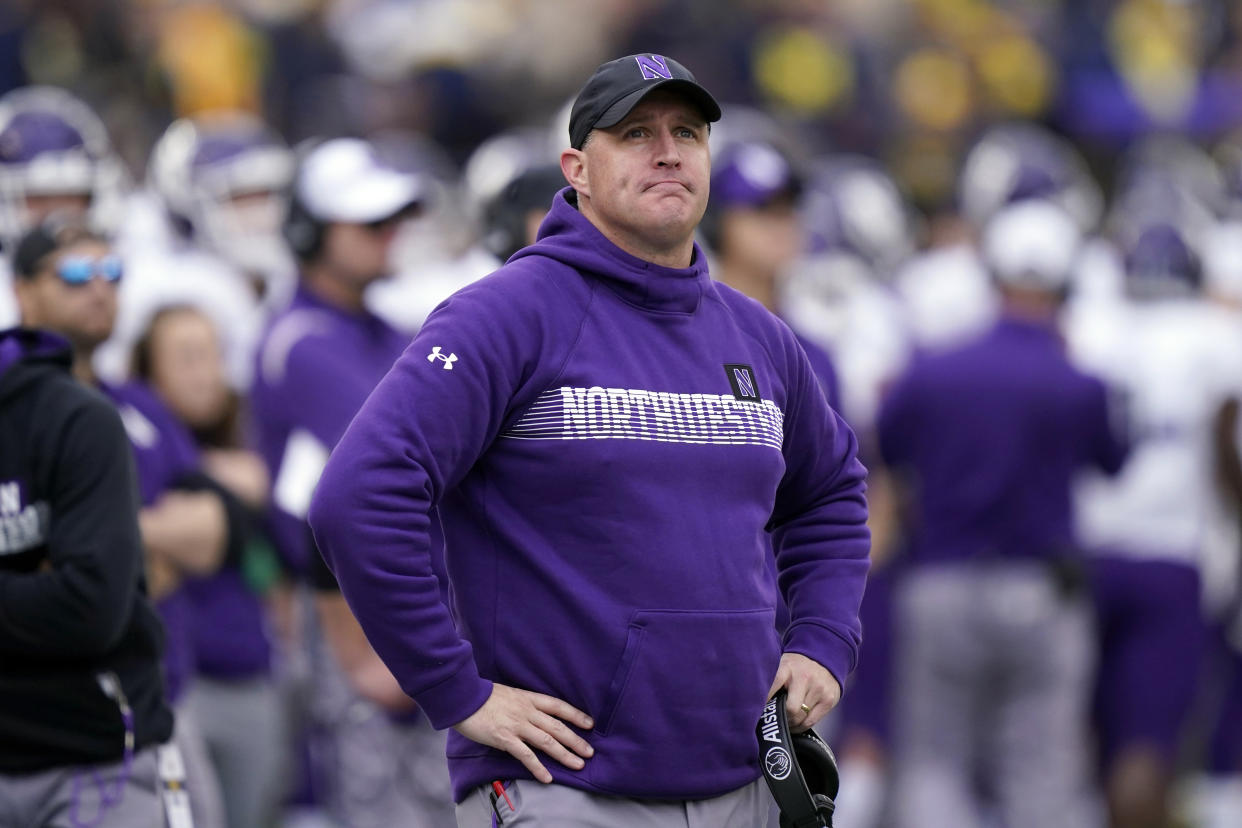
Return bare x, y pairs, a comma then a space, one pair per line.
317, 362
79, 270
67, 277
82, 707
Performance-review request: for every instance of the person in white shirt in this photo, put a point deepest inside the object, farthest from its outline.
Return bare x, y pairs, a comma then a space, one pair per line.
1177, 361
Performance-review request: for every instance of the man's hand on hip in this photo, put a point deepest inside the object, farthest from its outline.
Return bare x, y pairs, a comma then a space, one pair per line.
813, 691
519, 721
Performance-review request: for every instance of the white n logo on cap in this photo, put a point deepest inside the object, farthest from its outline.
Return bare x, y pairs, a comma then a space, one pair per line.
653, 67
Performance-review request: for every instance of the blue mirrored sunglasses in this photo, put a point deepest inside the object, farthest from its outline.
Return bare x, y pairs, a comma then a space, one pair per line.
78, 270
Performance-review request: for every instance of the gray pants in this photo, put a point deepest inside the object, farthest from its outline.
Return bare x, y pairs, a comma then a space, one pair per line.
378, 773
992, 685
243, 726
558, 806
206, 800
388, 774
101, 796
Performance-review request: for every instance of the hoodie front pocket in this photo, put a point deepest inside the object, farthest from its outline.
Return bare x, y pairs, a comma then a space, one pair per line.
680, 713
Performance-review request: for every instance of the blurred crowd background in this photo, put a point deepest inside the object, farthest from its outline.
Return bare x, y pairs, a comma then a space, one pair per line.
908, 125
908, 81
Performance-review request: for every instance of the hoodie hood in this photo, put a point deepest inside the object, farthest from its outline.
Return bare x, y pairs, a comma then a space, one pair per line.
29, 347
568, 237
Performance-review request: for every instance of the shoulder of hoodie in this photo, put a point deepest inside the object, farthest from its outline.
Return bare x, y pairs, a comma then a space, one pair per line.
769, 330
56, 401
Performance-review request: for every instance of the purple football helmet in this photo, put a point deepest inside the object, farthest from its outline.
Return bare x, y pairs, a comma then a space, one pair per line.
224, 181
1161, 259
1168, 195
54, 149
1017, 161
752, 174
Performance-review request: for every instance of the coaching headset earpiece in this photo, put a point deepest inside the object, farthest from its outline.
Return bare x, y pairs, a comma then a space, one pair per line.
800, 769
302, 231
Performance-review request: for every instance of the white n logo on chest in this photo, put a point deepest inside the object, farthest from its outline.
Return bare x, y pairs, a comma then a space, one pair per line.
10, 498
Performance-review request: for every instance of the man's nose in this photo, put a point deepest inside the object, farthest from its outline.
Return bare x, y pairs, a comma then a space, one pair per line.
100, 286
667, 152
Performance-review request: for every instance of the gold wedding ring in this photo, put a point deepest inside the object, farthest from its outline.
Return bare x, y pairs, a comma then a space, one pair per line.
805, 709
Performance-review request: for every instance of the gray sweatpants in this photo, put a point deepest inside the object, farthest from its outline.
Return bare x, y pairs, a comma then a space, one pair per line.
243, 728
378, 773
387, 773
992, 688
206, 799
102, 796
558, 806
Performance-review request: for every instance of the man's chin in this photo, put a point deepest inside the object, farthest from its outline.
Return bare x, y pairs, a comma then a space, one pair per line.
91, 338
676, 224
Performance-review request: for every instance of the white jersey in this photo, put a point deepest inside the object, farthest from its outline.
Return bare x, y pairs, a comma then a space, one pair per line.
1222, 261
9, 315
1174, 364
1097, 314
1099, 276
835, 301
948, 296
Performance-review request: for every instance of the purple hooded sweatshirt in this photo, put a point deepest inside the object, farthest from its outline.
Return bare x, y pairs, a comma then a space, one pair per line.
608, 442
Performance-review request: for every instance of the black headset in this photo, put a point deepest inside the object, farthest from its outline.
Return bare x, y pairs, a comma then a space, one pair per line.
800, 769
302, 230
505, 215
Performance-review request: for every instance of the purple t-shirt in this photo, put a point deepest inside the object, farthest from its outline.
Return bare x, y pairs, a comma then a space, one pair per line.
316, 365
164, 452
231, 640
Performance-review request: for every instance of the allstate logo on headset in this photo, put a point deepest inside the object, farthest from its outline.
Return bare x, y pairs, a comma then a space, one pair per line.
778, 762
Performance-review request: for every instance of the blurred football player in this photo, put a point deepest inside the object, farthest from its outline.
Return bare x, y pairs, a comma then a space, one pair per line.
1178, 361
219, 186
55, 156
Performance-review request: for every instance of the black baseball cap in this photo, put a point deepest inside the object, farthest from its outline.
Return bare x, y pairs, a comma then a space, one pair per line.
618, 85
54, 232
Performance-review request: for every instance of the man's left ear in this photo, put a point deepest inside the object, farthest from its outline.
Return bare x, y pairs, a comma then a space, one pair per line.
573, 167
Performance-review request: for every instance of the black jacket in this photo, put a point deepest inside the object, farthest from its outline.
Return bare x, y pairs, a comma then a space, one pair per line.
73, 609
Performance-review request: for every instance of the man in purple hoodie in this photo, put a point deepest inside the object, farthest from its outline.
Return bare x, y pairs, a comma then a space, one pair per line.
607, 436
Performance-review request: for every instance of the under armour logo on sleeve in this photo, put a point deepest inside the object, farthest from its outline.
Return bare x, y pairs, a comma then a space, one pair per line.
447, 360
